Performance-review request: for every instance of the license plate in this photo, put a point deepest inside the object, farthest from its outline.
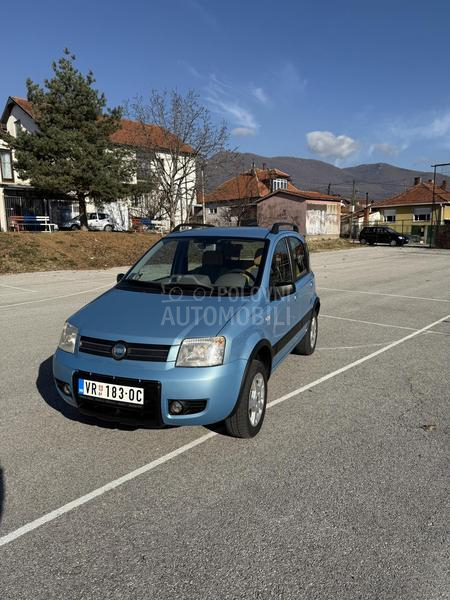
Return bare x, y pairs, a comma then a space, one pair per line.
111, 391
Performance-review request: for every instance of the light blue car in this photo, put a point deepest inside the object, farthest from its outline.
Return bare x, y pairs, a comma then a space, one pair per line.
192, 332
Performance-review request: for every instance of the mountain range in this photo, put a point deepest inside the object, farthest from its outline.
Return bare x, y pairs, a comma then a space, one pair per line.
379, 180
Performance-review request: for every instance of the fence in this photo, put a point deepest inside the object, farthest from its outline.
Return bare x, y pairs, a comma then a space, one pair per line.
419, 232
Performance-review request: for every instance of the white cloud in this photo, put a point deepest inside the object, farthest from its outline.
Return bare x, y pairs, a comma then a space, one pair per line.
261, 95
429, 126
243, 131
386, 148
222, 98
327, 144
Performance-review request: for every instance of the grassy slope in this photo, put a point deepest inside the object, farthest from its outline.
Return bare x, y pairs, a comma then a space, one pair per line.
25, 252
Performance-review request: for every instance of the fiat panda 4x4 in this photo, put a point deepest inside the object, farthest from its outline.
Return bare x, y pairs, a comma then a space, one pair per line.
192, 332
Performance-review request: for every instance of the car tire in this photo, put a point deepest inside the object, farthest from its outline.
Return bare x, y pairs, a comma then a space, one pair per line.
108, 228
363, 241
74, 227
248, 415
393, 243
307, 344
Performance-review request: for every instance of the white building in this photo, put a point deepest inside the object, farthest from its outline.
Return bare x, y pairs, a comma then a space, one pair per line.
18, 198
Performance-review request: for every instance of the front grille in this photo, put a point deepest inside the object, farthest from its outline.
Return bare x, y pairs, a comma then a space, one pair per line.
150, 352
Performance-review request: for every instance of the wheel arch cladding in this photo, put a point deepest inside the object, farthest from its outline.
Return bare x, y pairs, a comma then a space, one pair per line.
264, 353
317, 305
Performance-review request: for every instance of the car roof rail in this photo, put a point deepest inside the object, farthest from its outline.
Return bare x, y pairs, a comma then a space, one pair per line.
276, 227
183, 226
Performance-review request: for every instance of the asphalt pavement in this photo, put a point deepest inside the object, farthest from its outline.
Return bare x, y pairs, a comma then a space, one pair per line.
343, 494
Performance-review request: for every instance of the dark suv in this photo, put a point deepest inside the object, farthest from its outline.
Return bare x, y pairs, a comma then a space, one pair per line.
382, 235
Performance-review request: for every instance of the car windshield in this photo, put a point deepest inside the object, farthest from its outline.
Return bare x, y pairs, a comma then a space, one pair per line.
212, 263
389, 230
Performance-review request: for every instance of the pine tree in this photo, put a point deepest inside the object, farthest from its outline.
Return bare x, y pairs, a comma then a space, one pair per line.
71, 152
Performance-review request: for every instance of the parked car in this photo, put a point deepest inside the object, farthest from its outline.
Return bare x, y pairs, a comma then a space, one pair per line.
97, 221
382, 235
192, 332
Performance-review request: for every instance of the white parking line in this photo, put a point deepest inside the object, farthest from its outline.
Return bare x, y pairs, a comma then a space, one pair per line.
368, 322
14, 287
56, 297
378, 324
383, 294
54, 514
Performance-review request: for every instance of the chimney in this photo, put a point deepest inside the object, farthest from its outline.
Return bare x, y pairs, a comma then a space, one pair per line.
430, 181
444, 184
253, 170
417, 180
264, 166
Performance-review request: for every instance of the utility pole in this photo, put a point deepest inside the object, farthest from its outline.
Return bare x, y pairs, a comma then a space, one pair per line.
329, 189
433, 202
352, 209
202, 176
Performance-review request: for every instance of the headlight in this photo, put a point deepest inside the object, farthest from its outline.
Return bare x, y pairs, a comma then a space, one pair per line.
68, 338
201, 352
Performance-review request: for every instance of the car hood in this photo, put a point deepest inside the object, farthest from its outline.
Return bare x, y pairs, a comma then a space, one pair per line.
145, 317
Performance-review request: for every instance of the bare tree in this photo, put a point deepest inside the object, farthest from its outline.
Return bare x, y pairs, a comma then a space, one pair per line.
175, 135
242, 186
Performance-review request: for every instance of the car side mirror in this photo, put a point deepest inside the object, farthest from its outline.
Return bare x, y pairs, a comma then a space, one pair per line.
120, 276
279, 291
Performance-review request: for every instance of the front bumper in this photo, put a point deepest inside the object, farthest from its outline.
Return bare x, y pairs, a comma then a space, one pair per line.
219, 386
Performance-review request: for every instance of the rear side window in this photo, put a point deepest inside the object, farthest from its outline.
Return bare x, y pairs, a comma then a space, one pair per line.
280, 270
300, 259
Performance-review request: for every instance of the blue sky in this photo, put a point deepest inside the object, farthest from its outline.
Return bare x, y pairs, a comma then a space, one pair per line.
348, 82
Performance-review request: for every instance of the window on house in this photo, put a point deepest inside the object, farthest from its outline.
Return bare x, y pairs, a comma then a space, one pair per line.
17, 127
212, 211
6, 165
143, 168
390, 215
279, 184
422, 214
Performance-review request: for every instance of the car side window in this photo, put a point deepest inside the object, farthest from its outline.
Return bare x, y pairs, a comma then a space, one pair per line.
299, 253
280, 269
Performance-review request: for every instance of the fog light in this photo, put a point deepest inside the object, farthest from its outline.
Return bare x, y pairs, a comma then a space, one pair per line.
66, 389
175, 407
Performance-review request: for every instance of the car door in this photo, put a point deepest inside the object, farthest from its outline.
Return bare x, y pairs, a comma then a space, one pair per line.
304, 284
384, 236
103, 220
281, 311
92, 221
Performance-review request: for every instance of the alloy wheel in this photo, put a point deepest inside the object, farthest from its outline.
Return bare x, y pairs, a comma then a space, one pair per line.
256, 399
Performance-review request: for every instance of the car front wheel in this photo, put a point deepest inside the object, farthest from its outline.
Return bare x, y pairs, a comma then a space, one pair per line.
248, 416
74, 227
363, 241
393, 243
107, 228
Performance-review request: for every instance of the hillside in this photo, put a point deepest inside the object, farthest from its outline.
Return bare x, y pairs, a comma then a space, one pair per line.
380, 180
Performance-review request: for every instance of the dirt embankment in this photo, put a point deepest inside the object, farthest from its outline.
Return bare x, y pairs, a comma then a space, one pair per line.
25, 252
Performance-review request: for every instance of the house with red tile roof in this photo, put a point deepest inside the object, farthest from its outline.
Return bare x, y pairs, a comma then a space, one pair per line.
17, 196
417, 208
264, 196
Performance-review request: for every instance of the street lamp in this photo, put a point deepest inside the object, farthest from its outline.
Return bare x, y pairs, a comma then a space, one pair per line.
433, 198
